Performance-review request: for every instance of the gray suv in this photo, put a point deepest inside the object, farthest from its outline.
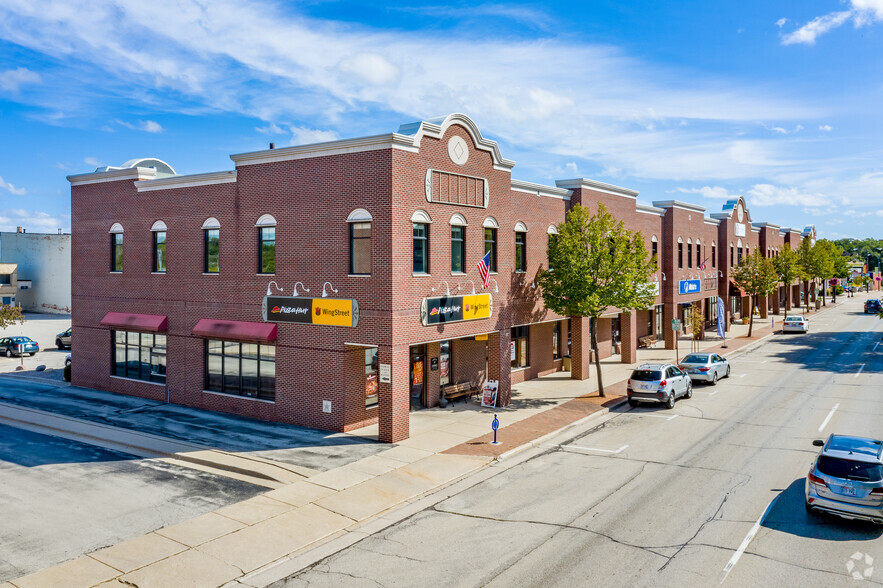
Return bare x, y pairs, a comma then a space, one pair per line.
63, 340
658, 382
846, 479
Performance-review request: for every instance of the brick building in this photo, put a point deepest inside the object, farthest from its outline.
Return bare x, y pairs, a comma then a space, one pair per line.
335, 285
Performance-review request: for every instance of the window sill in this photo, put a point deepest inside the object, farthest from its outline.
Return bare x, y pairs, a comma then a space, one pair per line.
520, 271
112, 272
211, 273
267, 275
137, 380
157, 273
413, 275
459, 273
239, 397
372, 406
358, 275
519, 369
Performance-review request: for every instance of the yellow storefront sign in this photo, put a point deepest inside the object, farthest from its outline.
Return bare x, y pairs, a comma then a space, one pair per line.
330, 311
477, 306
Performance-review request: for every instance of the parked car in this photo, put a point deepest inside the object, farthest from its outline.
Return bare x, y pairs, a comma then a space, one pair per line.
872, 306
658, 382
846, 478
67, 360
18, 346
795, 324
705, 367
63, 340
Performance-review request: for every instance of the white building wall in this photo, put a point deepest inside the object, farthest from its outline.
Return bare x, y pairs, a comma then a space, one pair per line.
45, 259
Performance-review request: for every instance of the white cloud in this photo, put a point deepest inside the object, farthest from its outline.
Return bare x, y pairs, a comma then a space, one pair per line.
370, 68
148, 126
879, 213
92, 161
12, 189
770, 195
818, 26
826, 128
715, 193
34, 221
781, 22
305, 136
12, 79
270, 129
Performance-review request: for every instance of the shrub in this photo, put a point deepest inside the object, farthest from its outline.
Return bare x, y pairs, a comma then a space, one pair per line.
67, 373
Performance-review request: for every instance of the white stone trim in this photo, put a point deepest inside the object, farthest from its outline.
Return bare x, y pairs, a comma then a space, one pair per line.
552, 230
678, 204
540, 190
358, 145
359, 215
458, 220
437, 127
653, 239
116, 228
211, 223
490, 223
596, 186
159, 226
680, 240
421, 216
520, 227
266, 220
191, 181
138, 173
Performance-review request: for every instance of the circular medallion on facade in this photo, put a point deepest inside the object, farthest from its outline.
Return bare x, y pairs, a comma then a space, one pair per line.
457, 150
739, 212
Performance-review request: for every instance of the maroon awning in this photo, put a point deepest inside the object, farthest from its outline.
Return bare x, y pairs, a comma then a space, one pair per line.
235, 330
136, 322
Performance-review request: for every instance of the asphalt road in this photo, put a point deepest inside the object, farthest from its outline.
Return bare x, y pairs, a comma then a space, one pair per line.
708, 493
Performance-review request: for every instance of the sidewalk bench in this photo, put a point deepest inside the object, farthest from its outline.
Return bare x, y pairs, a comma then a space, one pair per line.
462, 390
646, 341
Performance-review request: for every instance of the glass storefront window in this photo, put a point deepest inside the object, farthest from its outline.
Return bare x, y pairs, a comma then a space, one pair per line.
240, 369
518, 347
556, 340
444, 363
371, 381
139, 356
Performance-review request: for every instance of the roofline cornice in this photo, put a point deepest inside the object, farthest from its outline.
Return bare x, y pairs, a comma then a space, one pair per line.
357, 145
437, 127
679, 204
577, 183
190, 181
116, 175
540, 190
646, 209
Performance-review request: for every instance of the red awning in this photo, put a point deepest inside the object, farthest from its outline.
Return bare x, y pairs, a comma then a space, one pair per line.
235, 330
136, 322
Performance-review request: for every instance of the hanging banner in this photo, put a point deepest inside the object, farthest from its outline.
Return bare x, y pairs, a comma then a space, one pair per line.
455, 309
338, 312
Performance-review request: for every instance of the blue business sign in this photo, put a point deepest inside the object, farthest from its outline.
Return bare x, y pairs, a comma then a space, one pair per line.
689, 286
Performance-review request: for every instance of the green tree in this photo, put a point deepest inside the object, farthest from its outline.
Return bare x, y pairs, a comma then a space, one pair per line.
9, 315
809, 266
788, 268
597, 264
826, 259
757, 276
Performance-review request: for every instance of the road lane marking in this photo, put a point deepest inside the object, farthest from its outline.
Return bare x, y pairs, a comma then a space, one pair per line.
828, 418
743, 375
735, 559
764, 361
610, 451
861, 367
659, 416
875, 346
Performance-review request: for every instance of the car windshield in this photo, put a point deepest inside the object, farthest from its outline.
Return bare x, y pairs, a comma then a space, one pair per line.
646, 375
695, 359
849, 469
19, 339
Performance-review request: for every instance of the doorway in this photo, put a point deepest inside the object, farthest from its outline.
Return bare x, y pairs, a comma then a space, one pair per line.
418, 376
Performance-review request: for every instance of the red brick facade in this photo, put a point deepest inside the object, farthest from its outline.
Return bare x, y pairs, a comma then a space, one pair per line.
441, 170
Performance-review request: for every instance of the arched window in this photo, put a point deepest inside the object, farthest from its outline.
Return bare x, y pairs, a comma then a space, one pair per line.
266, 227
458, 243
680, 253
654, 250
159, 246
359, 222
211, 231
420, 222
713, 255
490, 241
520, 247
116, 247
690, 253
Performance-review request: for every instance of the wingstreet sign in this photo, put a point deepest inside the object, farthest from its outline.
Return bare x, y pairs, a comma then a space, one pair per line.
454, 309
338, 312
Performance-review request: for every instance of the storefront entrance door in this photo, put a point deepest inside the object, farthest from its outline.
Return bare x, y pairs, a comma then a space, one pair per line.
418, 377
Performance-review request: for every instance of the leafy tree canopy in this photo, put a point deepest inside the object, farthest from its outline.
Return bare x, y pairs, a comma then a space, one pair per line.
9, 315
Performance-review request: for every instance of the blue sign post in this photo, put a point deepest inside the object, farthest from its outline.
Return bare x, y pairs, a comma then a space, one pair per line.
495, 425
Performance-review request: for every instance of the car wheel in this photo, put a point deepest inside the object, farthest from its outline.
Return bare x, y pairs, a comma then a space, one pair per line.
809, 509
689, 393
33, 354
728, 372
714, 379
670, 403
9, 353
633, 403
59, 344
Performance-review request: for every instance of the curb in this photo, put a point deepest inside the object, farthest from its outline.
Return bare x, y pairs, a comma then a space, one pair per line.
36, 379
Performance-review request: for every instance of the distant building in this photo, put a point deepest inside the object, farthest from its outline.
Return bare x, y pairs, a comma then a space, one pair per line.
8, 283
44, 269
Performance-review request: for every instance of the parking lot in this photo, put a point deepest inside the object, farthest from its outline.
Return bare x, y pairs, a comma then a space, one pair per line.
42, 328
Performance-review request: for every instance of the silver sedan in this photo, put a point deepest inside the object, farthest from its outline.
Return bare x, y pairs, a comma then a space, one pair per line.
705, 367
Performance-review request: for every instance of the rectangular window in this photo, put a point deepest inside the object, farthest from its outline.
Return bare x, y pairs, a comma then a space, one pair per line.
731, 255
360, 249
139, 356
159, 251
659, 330
116, 252
240, 369
556, 340
444, 363
267, 250
490, 245
739, 256
212, 250
371, 382
553, 240
689, 255
421, 248
680, 256
654, 253
713, 257
458, 248
518, 347
698, 256
520, 252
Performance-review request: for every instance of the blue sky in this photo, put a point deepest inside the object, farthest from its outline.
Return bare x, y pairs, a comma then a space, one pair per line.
696, 101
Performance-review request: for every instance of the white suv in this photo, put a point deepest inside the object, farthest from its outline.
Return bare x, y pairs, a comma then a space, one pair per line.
658, 382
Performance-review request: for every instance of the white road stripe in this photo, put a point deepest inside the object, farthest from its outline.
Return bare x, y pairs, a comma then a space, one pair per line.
735, 559
764, 361
743, 375
861, 367
658, 416
828, 418
875, 346
610, 451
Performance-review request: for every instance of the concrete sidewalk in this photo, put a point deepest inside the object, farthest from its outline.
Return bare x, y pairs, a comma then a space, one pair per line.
265, 538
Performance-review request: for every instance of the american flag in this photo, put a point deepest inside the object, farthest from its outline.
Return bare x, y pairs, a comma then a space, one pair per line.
702, 265
484, 268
